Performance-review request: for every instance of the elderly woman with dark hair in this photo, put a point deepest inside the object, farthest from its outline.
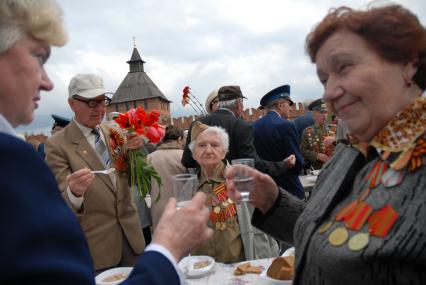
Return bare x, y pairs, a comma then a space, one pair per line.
234, 238
366, 220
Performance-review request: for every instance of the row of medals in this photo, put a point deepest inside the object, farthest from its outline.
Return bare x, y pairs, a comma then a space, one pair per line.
231, 222
340, 235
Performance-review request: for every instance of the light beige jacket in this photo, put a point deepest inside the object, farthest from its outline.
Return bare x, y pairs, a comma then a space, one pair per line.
108, 213
166, 161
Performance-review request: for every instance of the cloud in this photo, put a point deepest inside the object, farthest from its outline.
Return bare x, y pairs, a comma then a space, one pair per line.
258, 45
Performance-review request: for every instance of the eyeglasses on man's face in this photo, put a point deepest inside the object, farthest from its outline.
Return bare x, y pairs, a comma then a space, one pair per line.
94, 103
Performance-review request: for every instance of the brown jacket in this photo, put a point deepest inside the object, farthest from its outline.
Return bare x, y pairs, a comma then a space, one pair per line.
108, 213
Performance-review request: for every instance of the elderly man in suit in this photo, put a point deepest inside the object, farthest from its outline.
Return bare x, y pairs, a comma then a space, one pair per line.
228, 116
102, 203
275, 137
44, 243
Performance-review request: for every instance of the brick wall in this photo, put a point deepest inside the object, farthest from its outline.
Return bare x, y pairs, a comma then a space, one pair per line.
250, 114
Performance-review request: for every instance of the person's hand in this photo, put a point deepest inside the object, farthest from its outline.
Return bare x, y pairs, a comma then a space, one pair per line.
322, 157
181, 230
329, 140
264, 194
290, 161
134, 141
79, 181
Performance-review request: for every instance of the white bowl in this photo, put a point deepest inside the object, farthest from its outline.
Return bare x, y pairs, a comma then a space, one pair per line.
100, 279
311, 179
186, 266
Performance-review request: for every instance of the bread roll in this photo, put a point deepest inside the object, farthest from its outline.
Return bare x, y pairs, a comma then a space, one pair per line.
282, 268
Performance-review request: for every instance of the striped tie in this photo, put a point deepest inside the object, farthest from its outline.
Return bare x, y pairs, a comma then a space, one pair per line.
101, 148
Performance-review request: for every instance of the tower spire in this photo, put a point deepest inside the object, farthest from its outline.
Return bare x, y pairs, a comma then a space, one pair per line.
135, 62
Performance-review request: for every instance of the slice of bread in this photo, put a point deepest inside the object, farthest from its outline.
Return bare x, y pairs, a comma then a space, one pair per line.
247, 268
282, 268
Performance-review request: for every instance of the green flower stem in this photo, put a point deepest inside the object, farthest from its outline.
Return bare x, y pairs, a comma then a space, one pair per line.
141, 174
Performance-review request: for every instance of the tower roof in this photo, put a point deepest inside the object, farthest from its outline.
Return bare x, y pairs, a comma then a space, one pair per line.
137, 85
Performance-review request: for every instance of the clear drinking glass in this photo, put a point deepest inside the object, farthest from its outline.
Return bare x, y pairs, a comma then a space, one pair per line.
184, 187
242, 180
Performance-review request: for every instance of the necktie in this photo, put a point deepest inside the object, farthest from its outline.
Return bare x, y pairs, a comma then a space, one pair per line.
101, 148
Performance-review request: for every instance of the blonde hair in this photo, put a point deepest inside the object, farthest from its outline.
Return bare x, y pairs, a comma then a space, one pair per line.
41, 19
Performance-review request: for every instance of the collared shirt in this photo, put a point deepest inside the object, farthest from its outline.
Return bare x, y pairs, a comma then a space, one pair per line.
77, 202
6, 127
272, 110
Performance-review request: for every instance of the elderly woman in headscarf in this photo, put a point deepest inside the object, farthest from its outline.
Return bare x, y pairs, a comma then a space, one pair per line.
366, 220
234, 238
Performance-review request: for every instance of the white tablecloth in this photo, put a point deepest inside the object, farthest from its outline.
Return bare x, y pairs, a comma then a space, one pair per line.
223, 274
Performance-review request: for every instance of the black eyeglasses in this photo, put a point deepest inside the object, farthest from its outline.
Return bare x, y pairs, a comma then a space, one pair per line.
94, 103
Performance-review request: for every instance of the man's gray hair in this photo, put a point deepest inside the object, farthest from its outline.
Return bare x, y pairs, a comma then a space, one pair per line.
40, 19
230, 104
221, 132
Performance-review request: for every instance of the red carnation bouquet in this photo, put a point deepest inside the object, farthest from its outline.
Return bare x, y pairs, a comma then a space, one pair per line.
146, 124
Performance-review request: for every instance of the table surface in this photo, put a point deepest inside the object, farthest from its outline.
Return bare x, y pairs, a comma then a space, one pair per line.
223, 274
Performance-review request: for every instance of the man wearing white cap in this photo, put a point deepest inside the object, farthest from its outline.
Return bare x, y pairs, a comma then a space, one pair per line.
103, 203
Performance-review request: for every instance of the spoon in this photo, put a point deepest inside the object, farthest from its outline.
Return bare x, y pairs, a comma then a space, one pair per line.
106, 171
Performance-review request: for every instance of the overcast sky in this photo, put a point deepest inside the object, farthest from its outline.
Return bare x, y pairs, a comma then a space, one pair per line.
258, 45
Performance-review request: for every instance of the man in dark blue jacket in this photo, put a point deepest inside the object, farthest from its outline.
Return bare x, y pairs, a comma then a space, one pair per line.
275, 138
41, 241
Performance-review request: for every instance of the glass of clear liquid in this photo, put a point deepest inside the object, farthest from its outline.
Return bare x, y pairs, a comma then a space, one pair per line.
243, 181
184, 187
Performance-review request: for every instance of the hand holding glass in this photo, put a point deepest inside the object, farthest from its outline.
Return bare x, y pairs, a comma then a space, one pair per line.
243, 181
184, 187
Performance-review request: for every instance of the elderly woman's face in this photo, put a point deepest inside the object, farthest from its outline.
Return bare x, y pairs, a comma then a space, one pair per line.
22, 78
208, 150
360, 87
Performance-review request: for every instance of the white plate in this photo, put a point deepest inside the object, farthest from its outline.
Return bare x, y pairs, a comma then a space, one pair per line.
289, 251
101, 277
266, 280
187, 267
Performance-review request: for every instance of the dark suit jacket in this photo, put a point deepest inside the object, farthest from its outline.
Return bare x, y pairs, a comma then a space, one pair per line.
302, 122
240, 142
275, 139
42, 242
